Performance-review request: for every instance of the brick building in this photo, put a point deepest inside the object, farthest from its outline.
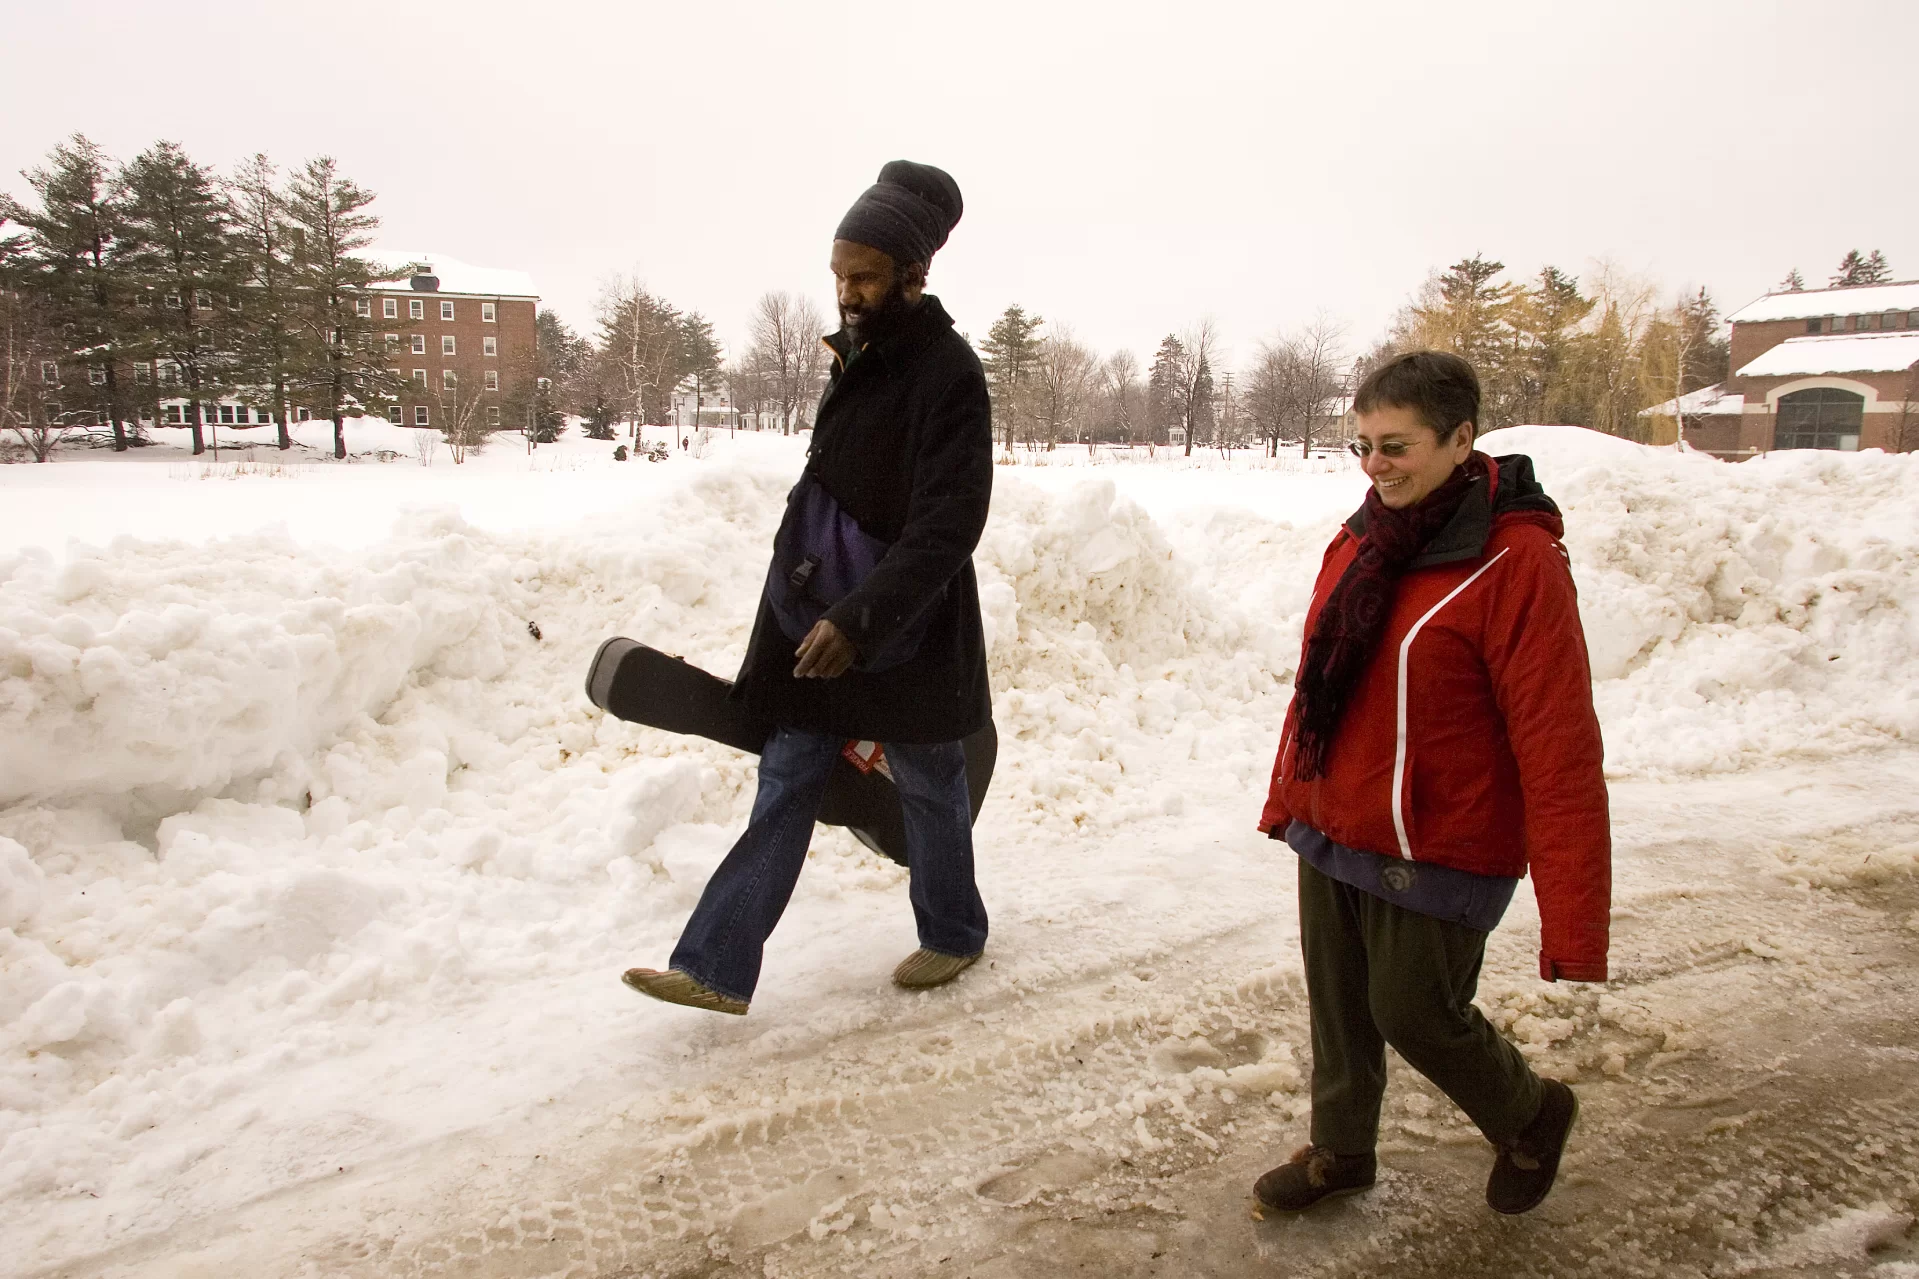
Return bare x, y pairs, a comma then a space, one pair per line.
463, 338
1817, 368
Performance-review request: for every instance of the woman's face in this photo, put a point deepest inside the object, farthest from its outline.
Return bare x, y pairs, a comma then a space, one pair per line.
1403, 457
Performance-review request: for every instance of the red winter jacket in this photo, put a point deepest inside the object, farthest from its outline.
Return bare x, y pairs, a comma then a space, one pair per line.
1470, 740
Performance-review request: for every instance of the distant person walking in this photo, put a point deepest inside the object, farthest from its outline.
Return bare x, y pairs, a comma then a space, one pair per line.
845, 649
1441, 742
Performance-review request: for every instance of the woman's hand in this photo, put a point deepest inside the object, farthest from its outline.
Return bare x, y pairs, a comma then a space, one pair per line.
825, 653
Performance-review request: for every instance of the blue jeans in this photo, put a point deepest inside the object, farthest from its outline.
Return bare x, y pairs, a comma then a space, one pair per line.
726, 936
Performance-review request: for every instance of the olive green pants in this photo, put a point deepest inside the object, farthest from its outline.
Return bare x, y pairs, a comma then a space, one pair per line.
1379, 974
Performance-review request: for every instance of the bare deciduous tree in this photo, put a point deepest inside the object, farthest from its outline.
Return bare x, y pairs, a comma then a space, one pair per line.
1066, 372
784, 348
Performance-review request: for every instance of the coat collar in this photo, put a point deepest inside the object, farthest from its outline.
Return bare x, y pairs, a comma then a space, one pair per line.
928, 321
1508, 487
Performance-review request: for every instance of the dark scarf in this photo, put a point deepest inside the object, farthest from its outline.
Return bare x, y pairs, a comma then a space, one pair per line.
1349, 627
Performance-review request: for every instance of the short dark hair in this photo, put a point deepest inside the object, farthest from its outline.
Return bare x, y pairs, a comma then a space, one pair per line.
1438, 386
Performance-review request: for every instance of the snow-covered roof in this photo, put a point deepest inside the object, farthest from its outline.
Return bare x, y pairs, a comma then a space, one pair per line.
1860, 299
457, 276
1838, 353
1707, 401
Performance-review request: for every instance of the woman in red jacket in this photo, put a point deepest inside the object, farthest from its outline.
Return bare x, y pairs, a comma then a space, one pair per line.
1440, 743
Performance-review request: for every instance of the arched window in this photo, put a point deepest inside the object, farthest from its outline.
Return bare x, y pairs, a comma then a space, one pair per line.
1822, 418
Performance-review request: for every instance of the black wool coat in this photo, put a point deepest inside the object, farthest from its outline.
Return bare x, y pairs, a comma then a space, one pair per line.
904, 443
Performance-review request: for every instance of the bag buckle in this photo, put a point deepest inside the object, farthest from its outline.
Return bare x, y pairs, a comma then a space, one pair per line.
800, 576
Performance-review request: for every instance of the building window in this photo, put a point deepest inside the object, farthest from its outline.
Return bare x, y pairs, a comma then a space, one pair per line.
492, 415
490, 345
1813, 325
449, 379
492, 379
226, 415
419, 344
1912, 319
419, 415
143, 374
446, 310
173, 301
396, 415
169, 373
390, 308
486, 313
49, 371
174, 416
1891, 320
393, 341
363, 307
96, 375
415, 309
419, 375
446, 344
203, 299
1822, 418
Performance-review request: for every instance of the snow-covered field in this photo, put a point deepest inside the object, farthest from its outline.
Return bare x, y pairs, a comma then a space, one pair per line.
317, 872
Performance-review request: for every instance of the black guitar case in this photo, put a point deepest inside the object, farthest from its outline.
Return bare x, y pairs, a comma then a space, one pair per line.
642, 685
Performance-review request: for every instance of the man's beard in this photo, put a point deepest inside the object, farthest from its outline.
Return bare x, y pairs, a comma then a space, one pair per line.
882, 321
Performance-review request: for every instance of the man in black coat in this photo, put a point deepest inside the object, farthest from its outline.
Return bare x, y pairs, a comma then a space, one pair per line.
901, 461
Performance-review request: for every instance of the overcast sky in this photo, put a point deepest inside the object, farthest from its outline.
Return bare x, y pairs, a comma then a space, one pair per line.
1127, 168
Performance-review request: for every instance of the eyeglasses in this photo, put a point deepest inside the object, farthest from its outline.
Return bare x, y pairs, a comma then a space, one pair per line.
1390, 448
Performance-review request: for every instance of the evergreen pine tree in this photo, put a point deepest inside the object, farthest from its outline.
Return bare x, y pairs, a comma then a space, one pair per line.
1857, 269
268, 340
1011, 359
348, 368
1793, 283
76, 239
1165, 387
190, 272
699, 357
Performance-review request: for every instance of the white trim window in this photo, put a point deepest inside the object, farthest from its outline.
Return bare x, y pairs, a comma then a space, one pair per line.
96, 375
390, 308
492, 415
447, 344
419, 375
446, 309
420, 416
143, 374
492, 379
393, 341
489, 345
487, 315
416, 308
419, 344
50, 372
449, 380
363, 307
396, 415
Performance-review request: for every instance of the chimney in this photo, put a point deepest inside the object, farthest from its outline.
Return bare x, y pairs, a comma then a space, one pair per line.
426, 284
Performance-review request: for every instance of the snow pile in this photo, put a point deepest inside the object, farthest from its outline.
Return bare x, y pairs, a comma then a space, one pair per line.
269, 807
1738, 613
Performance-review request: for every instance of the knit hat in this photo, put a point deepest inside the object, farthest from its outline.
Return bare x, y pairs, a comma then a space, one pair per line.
907, 214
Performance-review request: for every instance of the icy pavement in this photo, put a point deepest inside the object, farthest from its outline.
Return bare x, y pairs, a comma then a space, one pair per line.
1748, 1085
317, 873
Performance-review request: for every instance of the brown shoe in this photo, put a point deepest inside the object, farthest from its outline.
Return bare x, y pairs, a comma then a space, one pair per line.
1524, 1172
676, 987
924, 969
1312, 1174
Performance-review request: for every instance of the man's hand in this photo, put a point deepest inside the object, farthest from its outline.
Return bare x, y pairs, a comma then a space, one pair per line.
825, 653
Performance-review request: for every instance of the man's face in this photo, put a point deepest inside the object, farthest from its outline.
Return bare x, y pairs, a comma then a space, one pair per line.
869, 286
